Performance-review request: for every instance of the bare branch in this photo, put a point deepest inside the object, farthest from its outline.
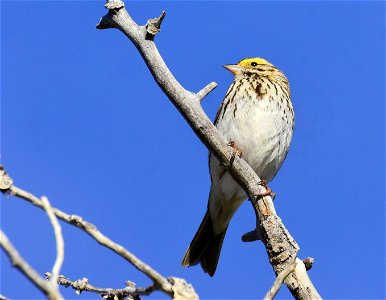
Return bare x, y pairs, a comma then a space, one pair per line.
160, 282
59, 242
29, 272
281, 247
278, 281
99, 237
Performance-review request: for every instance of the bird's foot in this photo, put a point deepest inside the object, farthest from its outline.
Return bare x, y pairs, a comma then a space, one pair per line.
268, 191
236, 151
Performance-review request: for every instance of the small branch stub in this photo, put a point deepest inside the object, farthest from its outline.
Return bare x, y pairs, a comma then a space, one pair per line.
114, 4
5, 181
206, 90
252, 236
153, 26
308, 263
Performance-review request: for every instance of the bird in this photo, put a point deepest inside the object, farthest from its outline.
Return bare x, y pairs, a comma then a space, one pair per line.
257, 118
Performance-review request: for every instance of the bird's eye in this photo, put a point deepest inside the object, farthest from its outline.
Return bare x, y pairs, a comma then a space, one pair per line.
253, 64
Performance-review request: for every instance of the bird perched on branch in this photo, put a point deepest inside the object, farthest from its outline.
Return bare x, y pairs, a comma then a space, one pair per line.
257, 118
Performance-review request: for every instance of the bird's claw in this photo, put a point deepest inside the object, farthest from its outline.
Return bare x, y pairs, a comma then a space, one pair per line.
268, 191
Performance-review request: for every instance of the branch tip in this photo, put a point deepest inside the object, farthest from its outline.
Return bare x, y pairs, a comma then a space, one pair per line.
153, 26
206, 90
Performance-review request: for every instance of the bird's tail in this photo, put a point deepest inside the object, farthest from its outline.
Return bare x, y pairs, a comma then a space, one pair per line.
205, 247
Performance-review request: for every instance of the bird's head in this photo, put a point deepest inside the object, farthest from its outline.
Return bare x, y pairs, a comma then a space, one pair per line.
250, 65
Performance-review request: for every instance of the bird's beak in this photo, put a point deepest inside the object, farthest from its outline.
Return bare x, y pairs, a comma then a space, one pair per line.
233, 68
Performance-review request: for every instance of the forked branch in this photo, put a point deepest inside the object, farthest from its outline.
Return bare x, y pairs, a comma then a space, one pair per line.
28, 271
281, 247
174, 287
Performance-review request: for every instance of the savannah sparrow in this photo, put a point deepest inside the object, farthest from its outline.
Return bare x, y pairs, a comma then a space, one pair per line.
257, 117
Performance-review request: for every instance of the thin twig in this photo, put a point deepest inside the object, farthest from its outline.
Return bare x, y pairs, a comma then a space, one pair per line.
279, 280
181, 289
59, 242
160, 282
91, 229
82, 285
19, 263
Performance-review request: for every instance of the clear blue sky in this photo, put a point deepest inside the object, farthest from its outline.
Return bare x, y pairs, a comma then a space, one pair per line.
84, 123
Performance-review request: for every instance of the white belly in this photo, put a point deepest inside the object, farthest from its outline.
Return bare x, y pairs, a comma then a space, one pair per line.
263, 132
